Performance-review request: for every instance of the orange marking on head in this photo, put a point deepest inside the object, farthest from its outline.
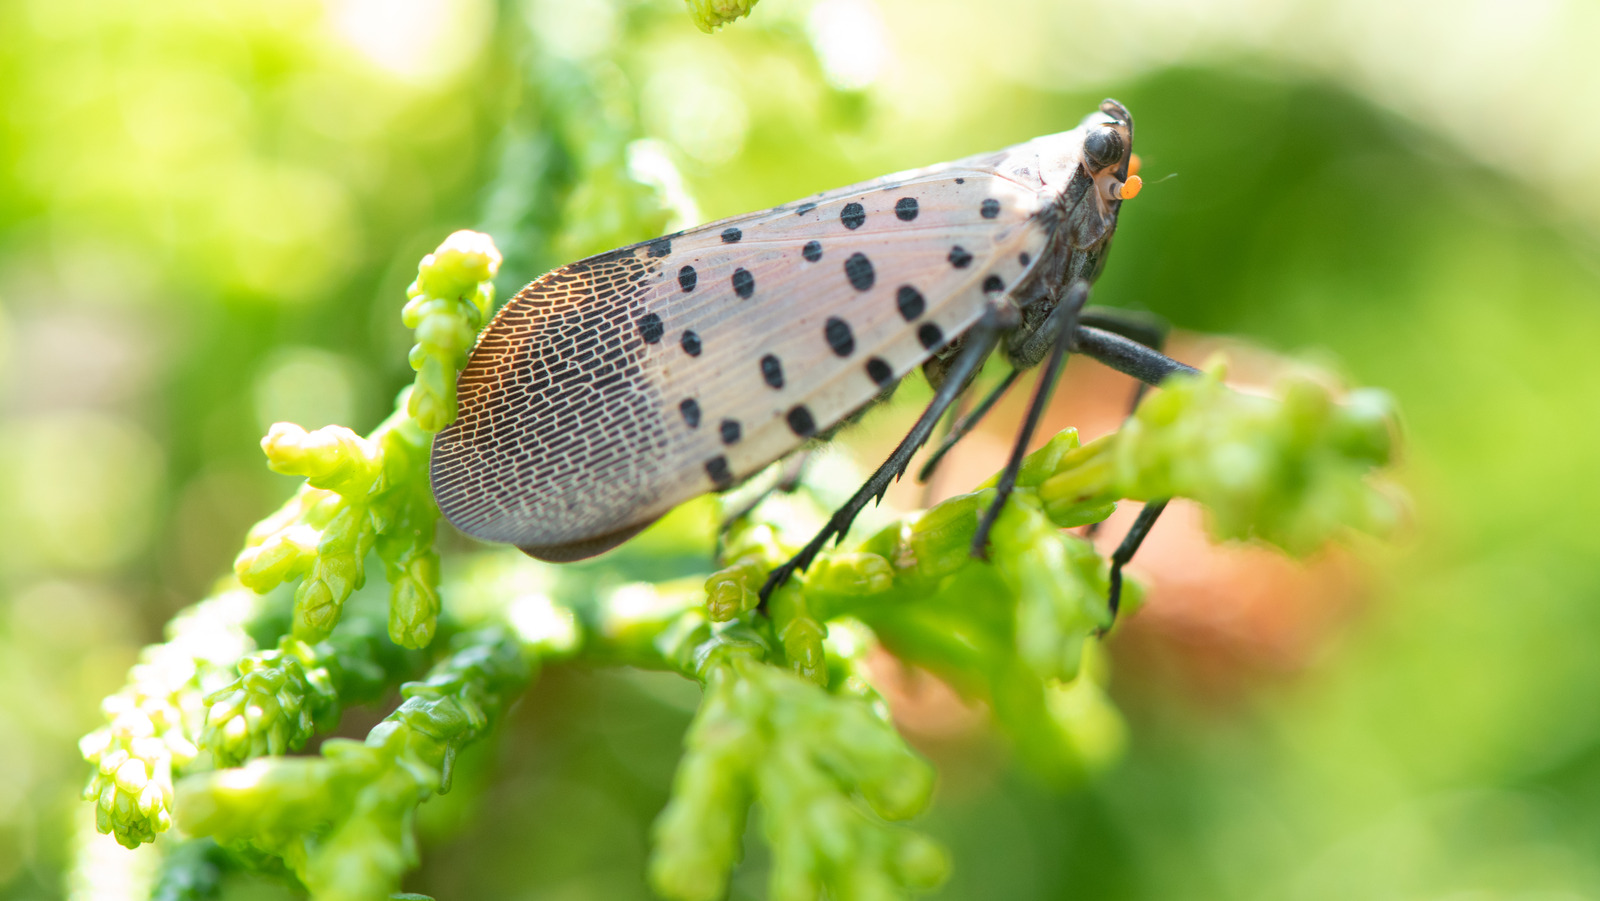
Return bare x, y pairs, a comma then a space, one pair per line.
1130, 188
1133, 167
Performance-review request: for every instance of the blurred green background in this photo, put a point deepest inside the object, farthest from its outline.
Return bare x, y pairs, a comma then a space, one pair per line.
209, 212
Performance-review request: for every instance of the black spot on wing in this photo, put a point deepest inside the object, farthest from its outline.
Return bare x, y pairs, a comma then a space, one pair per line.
801, 421
691, 343
717, 469
906, 208
910, 301
691, 412
930, 335
772, 371
959, 257
731, 235
744, 284
879, 371
650, 328
812, 251
687, 278
660, 247
840, 340
853, 215
993, 285
989, 209
859, 270
730, 431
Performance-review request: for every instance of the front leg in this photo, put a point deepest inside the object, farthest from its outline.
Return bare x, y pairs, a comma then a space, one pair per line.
1064, 320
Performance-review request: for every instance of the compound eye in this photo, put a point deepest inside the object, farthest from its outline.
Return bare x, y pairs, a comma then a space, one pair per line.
1102, 148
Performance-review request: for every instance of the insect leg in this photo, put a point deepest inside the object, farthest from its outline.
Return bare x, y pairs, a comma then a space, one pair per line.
1149, 330
1125, 551
1127, 356
1067, 321
980, 340
1145, 328
1149, 366
966, 424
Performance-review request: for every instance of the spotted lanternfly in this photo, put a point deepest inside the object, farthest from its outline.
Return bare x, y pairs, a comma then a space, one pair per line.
613, 389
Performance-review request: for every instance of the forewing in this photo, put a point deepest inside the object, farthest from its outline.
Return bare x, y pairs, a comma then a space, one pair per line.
611, 390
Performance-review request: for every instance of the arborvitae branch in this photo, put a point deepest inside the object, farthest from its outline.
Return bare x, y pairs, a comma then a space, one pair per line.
709, 15
372, 493
154, 720
191, 871
1292, 472
827, 770
343, 821
449, 303
285, 696
358, 491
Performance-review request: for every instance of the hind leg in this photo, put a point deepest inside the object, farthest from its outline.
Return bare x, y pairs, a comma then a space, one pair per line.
1130, 545
1152, 336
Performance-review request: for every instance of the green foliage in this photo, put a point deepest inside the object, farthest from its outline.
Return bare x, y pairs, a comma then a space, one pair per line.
449, 303
285, 696
365, 494
709, 15
361, 495
1290, 472
153, 721
359, 490
827, 769
281, 699
343, 822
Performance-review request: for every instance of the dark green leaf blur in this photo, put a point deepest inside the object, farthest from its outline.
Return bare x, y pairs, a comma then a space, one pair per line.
210, 211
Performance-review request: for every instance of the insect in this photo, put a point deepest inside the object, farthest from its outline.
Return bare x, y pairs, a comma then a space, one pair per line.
611, 390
